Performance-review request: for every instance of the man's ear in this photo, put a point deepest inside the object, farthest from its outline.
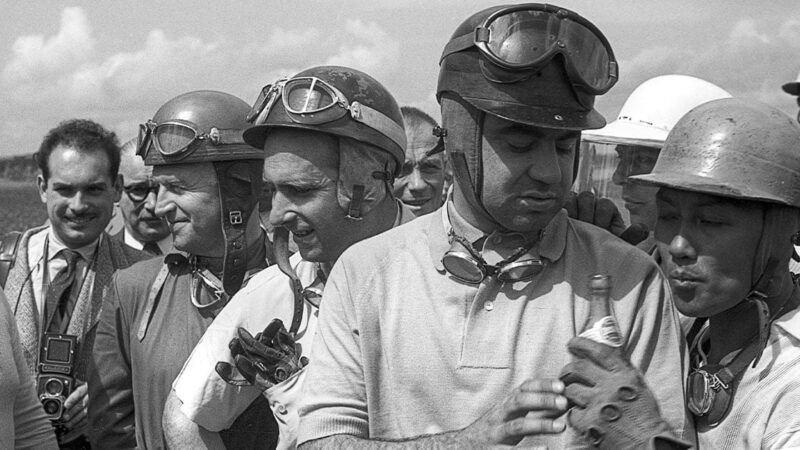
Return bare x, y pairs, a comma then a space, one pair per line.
118, 188
41, 184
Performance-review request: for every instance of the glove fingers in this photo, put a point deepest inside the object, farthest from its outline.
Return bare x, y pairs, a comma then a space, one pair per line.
272, 329
227, 373
579, 394
285, 342
602, 355
246, 368
235, 346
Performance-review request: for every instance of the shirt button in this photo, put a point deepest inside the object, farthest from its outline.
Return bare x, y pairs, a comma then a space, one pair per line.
488, 305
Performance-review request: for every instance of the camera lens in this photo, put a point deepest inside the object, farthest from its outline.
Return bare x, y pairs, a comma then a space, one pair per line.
51, 406
54, 386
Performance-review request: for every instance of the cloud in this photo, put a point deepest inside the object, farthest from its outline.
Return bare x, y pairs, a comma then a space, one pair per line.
743, 62
373, 51
35, 56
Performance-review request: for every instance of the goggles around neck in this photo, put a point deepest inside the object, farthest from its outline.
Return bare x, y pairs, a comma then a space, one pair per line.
526, 37
313, 101
465, 264
180, 138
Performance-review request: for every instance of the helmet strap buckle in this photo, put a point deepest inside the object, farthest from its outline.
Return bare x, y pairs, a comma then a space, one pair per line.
235, 217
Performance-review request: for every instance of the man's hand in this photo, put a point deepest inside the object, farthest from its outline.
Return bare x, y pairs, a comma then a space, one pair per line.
74, 417
603, 213
269, 358
532, 408
614, 409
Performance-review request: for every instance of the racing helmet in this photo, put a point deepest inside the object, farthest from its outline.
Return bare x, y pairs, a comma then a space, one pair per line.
207, 126
347, 103
535, 64
630, 144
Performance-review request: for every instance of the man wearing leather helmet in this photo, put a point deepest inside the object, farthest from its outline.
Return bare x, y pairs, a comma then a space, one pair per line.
334, 141
727, 214
209, 182
451, 330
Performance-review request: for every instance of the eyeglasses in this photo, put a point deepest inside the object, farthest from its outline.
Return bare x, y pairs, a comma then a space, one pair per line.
528, 36
313, 101
138, 192
180, 138
465, 264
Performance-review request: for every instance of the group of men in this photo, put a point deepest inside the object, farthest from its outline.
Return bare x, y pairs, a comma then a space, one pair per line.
420, 310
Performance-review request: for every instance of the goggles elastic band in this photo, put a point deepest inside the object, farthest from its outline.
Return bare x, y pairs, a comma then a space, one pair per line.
312, 113
594, 72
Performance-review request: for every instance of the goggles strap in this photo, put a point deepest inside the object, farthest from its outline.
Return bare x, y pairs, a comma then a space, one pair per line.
378, 122
281, 238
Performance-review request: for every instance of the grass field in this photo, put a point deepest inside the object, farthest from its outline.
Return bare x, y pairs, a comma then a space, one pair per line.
20, 207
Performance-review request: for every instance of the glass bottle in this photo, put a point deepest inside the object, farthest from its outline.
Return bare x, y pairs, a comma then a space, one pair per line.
601, 326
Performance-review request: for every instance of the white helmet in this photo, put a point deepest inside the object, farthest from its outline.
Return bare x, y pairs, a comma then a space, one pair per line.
793, 87
630, 145
654, 107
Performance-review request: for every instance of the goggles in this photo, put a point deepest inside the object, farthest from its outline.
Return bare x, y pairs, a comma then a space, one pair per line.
313, 101
465, 264
138, 192
180, 138
707, 396
527, 37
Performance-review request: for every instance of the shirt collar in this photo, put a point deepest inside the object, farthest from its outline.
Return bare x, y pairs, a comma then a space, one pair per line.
55, 245
551, 245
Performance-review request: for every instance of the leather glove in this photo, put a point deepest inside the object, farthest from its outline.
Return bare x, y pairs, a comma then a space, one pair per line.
267, 359
614, 409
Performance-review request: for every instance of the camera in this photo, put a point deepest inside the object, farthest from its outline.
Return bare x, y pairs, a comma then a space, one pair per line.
54, 381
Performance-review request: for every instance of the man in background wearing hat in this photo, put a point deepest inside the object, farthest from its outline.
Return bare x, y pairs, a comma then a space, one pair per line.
451, 330
209, 183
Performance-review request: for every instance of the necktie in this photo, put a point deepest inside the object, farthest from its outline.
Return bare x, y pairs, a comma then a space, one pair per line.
152, 248
55, 307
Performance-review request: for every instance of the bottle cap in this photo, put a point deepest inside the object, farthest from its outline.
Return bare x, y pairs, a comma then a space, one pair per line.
600, 281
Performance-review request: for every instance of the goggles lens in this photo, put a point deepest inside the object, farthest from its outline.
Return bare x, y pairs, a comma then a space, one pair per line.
699, 392
173, 138
463, 267
528, 38
520, 270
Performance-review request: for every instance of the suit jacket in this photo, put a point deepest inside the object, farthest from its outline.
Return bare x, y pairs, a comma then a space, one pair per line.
111, 255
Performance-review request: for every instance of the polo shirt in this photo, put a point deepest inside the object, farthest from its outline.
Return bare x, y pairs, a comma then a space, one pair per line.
403, 349
764, 412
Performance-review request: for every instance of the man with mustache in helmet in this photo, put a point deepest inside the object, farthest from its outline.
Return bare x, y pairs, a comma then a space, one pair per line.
451, 330
209, 182
334, 141
727, 215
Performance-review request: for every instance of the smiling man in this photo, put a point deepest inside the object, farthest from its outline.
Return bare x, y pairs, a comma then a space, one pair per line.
332, 187
62, 271
449, 331
727, 214
422, 178
209, 183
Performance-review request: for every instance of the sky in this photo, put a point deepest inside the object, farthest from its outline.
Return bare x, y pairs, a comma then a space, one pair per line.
117, 62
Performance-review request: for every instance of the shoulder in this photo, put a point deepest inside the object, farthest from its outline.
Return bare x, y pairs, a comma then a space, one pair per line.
586, 237
124, 255
138, 276
386, 245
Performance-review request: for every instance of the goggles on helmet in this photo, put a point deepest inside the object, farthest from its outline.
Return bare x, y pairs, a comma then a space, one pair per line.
313, 101
180, 138
465, 264
527, 37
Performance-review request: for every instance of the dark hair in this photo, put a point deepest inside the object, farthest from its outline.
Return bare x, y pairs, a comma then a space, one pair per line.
85, 136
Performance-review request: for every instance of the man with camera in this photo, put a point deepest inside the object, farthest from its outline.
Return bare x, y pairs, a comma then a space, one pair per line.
62, 271
142, 229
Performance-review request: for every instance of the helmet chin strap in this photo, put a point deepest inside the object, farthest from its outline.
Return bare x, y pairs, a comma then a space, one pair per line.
281, 245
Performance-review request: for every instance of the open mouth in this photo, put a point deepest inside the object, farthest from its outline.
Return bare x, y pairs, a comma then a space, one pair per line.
79, 220
415, 201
